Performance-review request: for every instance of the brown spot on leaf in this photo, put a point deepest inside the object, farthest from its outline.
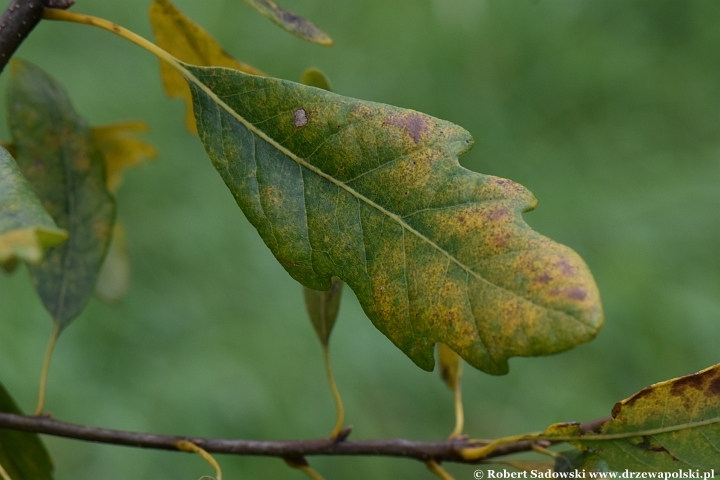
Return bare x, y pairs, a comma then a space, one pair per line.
565, 267
616, 409
497, 214
414, 125
576, 293
544, 278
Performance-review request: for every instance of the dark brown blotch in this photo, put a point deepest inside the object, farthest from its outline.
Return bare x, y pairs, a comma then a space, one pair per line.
680, 386
642, 393
714, 387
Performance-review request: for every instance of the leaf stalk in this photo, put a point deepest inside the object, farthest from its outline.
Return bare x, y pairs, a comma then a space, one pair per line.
46, 368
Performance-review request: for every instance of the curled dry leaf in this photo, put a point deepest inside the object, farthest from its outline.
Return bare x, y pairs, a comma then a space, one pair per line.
57, 154
26, 229
375, 195
291, 22
189, 42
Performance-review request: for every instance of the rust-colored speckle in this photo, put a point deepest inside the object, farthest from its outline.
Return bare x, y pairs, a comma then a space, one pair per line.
497, 214
544, 278
501, 240
414, 125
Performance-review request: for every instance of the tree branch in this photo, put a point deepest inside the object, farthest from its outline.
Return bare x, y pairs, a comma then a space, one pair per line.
443, 451
17, 22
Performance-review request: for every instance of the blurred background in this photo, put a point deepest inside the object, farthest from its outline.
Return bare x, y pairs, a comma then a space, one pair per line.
609, 111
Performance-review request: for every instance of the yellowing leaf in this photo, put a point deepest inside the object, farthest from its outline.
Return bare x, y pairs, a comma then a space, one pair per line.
57, 155
323, 307
26, 229
664, 427
121, 149
22, 455
294, 24
375, 195
114, 278
187, 41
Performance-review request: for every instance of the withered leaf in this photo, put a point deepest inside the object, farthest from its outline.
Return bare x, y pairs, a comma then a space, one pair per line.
189, 42
291, 22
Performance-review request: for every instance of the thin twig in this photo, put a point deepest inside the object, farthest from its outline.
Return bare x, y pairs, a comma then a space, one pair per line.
442, 451
20, 17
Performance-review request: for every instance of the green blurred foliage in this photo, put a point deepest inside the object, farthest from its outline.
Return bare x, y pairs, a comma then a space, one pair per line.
609, 111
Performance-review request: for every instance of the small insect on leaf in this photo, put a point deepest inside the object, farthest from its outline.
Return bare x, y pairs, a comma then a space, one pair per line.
26, 229
189, 42
291, 22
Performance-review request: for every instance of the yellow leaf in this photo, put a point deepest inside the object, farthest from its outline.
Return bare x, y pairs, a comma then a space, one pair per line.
121, 149
187, 41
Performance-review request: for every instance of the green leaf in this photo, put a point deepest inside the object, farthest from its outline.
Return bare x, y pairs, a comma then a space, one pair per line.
22, 455
323, 307
26, 229
57, 154
375, 195
666, 426
314, 77
294, 24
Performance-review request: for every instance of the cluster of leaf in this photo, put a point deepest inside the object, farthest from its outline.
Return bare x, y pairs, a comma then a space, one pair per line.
341, 191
